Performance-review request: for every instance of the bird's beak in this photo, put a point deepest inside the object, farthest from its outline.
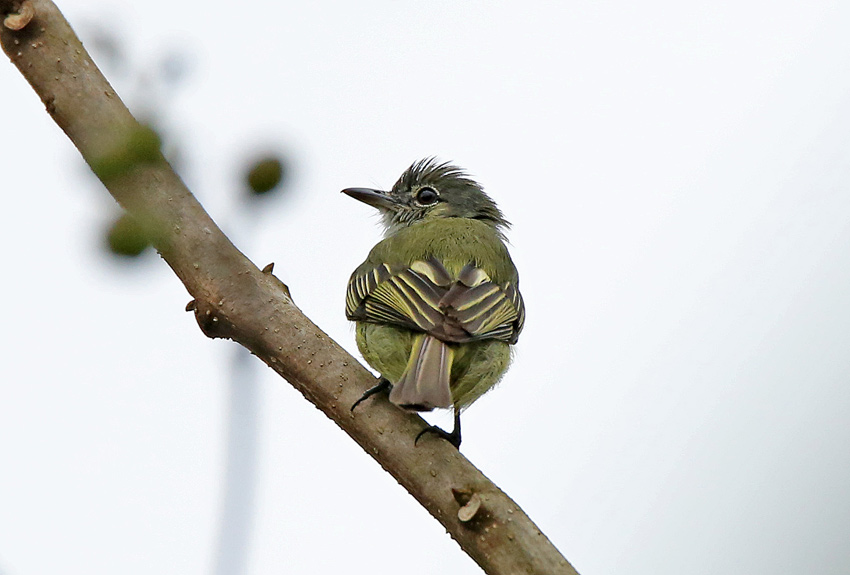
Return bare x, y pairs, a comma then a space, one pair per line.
375, 198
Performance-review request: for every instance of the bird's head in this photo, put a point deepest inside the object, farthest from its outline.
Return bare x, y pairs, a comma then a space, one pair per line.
428, 190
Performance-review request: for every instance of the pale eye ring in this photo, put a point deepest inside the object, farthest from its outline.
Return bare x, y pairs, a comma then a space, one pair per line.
427, 196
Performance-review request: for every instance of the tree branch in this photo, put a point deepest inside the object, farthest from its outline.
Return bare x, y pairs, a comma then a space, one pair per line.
233, 299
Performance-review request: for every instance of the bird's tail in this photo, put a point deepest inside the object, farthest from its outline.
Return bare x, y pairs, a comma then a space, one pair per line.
424, 384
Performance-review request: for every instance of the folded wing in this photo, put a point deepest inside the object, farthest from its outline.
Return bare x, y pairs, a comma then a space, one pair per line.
425, 297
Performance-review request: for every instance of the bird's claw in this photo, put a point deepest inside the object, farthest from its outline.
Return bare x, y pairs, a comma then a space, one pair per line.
453, 437
383, 385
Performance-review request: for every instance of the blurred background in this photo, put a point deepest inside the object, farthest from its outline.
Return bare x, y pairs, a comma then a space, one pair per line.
677, 177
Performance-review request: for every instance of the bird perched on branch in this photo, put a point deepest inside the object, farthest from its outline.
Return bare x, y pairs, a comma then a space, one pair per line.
437, 301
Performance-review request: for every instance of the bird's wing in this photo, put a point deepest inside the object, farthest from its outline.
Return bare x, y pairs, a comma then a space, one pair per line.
424, 297
484, 309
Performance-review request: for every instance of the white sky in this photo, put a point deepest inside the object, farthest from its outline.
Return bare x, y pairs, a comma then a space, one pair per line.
677, 176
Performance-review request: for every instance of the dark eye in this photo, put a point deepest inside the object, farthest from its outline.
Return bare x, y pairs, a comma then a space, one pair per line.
426, 196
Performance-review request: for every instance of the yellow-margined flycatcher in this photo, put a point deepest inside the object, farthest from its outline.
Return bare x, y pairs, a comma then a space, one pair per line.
437, 301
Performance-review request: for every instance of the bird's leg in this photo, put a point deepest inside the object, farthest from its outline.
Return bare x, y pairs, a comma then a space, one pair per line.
453, 437
384, 385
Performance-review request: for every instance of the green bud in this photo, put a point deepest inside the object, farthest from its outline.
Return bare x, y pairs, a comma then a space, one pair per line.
144, 145
265, 175
126, 237
138, 146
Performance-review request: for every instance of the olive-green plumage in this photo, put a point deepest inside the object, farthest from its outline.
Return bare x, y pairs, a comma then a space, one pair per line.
436, 302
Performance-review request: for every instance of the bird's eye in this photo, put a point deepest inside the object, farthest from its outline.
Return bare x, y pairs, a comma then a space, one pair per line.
426, 196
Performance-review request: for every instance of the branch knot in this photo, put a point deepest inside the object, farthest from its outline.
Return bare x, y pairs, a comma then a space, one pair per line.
19, 20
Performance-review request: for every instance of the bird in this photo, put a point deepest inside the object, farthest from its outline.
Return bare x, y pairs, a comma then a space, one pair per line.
436, 304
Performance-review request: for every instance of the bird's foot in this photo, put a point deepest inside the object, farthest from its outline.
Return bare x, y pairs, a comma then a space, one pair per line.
453, 437
384, 385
